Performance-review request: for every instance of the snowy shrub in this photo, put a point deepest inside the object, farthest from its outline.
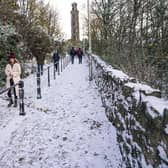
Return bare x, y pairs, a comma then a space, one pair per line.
8, 42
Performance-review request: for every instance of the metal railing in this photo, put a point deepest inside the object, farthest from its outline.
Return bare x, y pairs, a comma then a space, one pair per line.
21, 95
61, 65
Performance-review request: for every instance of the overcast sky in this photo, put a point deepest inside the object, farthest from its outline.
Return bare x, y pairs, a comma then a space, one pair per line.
64, 7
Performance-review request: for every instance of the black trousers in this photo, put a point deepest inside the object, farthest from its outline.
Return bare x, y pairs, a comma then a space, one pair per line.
80, 60
56, 66
10, 90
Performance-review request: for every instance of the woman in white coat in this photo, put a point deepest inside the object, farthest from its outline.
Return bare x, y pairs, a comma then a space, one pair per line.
13, 72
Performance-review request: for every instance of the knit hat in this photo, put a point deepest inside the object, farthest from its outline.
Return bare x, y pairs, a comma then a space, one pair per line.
12, 55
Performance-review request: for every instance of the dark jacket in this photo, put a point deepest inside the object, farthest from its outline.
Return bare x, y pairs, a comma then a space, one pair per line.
56, 57
72, 52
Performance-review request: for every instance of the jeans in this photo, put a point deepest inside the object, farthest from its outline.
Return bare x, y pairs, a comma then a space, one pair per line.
10, 90
56, 66
80, 60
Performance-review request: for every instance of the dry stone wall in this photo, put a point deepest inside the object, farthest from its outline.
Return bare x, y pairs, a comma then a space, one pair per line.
139, 114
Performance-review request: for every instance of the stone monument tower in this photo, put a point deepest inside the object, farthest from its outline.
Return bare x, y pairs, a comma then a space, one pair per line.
75, 23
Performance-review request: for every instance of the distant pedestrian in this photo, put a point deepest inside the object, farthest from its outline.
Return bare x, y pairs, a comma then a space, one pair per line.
13, 72
80, 55
72, 54
56, 59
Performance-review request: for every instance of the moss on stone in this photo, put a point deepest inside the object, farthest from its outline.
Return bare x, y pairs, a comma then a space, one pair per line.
127, 91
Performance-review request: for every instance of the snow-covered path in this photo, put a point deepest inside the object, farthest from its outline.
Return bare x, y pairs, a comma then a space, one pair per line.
67, 128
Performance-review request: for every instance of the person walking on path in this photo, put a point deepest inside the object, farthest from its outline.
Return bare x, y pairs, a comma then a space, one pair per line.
56, 59
13, 72
72, 54
80, 55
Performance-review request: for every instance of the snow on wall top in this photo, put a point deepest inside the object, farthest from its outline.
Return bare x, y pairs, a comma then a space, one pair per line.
140, 86
158, 104
117, 73
108, 68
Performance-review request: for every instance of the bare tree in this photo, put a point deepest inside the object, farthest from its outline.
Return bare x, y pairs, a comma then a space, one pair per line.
133, 36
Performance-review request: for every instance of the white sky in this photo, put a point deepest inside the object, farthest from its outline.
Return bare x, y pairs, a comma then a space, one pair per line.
64, 7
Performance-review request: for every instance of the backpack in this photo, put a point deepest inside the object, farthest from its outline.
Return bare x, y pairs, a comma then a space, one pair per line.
80, 53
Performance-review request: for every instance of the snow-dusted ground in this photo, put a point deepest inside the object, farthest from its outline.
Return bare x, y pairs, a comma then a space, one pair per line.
67, 128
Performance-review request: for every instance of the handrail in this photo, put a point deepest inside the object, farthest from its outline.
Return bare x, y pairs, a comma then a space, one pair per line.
5, 90
21, 95
64, 63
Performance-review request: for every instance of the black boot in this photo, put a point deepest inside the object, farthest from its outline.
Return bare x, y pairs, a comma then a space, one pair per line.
15, 103
10, 102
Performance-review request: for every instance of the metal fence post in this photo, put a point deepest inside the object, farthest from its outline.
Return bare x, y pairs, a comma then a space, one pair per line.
54, 70
38, 86
58, 66
49, 76
61, 64
89, 67
21, 98
91, 71
66, 61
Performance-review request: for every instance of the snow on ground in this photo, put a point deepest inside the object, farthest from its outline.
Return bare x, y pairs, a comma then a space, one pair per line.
67, 128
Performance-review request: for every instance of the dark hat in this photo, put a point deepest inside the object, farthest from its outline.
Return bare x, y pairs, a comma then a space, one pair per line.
12, 55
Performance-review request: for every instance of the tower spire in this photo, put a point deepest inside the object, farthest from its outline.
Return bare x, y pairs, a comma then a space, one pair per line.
74, 23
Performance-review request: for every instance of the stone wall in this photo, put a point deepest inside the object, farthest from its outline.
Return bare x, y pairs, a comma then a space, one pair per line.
139, 115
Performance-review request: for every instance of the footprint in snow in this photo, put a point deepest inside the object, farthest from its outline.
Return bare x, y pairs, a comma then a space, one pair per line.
64, 138
85, 106
96, 154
